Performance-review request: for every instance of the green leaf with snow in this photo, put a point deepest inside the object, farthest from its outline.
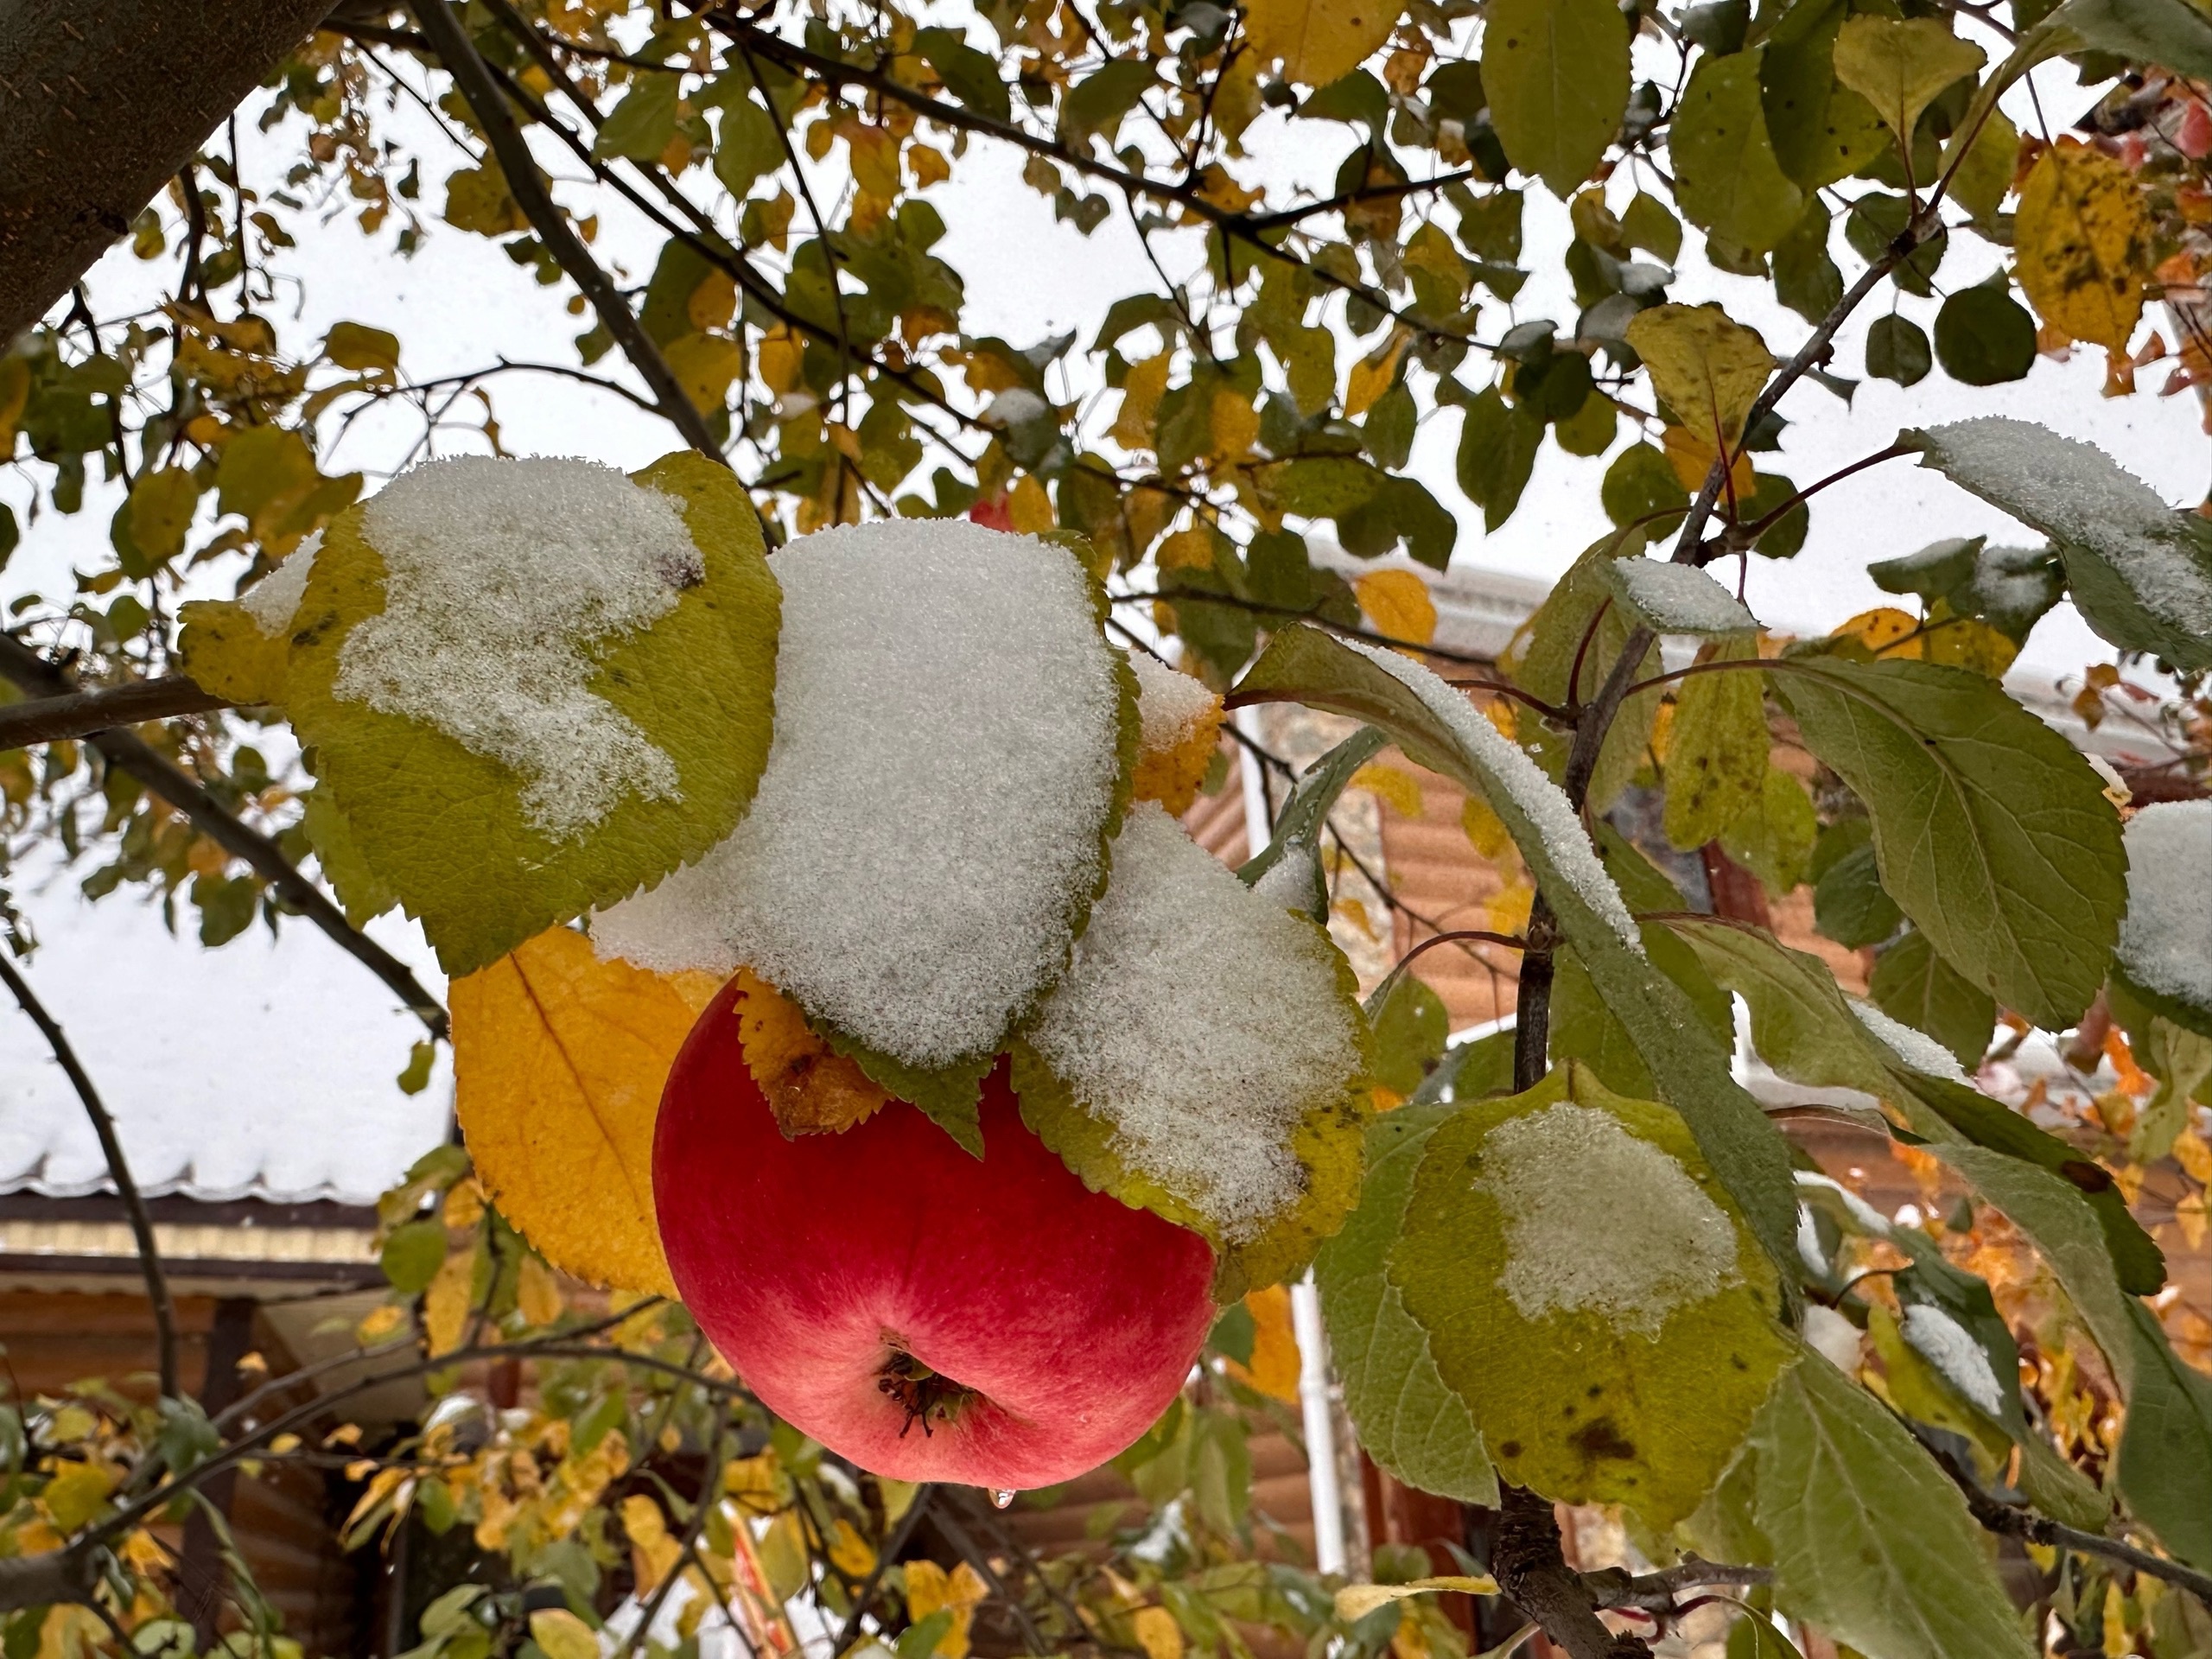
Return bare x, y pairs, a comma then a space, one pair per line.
533, 691
1581, 1232
1678, 598
1871, 1543
1913, 982
1437, 727
1990, 831
1306, 812
2164, 955
1204, 1058
1409, 1419
2140, 573
1565, 651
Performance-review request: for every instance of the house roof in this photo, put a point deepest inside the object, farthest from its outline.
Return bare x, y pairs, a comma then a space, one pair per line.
263, 1070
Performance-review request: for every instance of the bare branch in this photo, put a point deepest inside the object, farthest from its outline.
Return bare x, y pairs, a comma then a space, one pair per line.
1526, 1559
80, 714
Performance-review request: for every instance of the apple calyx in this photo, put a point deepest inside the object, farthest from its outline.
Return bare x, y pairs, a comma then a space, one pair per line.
926, 1396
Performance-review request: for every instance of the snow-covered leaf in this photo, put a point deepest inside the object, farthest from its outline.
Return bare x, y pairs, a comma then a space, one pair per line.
532, 686
2164, 955
1991, 832
1438, 728
2140, 573
1679, 599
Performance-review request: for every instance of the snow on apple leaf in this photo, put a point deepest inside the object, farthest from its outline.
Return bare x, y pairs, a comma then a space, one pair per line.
2165, 940
504, 766
1679, 599
953, 742
1181, 718
1583, 1233
559, 1060
2140, 573
1199, 1057
237, 648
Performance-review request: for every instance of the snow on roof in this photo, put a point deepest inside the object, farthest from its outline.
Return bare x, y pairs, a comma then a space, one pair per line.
263, 1070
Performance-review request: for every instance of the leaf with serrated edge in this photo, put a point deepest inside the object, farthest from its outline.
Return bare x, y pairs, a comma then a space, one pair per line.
1991, 832
1690, 1069
559, 1060
226, 652
1596, 1409
1409, 1420
445, 826
1872, 1544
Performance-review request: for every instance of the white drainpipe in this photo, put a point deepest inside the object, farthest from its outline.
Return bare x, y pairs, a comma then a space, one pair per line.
1316, 1403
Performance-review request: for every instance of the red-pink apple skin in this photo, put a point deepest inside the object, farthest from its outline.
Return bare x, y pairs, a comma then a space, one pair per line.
812, 1262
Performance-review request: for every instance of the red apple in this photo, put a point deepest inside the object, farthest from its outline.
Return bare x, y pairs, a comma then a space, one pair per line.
928, 1314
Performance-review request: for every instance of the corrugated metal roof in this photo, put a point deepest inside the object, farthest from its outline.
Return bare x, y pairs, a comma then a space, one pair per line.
264, 1069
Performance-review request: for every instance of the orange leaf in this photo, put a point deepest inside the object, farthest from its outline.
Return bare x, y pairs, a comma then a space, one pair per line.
810, 1090
558, 1063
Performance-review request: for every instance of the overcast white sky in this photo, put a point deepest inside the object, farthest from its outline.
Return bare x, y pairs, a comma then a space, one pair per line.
263, 1046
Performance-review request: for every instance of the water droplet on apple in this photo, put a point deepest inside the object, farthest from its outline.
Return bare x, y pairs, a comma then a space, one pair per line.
1001, 1500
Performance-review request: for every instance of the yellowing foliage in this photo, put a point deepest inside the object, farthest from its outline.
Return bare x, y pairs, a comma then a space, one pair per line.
929, 1587
811, 1090
558, 1063
2084, 241
1171, 774
1397, 603
1320, 40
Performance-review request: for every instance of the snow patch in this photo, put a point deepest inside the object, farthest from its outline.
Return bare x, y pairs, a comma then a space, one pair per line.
274, 601
1871, 1221
1833, 1337
1539, 799
1201, 1021
1170, 702
1947, 1345
1915, 1048
1662, 1244
499, 574
927, 828
1680, 598
1291, 880
2165, 939
1808, 1244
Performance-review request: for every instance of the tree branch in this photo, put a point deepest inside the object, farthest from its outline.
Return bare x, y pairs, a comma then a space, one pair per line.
118, 1169
33, 673
442, 28
81, 714
1526, 1560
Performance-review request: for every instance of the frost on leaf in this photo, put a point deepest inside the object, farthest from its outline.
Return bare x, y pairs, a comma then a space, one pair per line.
952, 738
1915, 1048
2165, 939
1583, 1234
1948, 1345
532, 686
2140, 573
237, 648
1198, 1058
1181, 718
1679, 599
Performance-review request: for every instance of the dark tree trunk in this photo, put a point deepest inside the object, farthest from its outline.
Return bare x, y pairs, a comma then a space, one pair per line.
100, 102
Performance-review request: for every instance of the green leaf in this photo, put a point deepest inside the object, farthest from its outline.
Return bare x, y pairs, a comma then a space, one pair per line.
2166, 1454
1717, 754
1594, 1245
1896, 349
362, 894
1411, 1029
1984, 337
1848, 903
1753, 1637
1821, 131
1984, 179
1805, 277
1726, 178
641, 125
1640, 488
1990, 831
2009, 587
2170, 34
1544, 663
1557, 75
1437, 728
445, 827
748, 146
2141, 574
1871, 1543
1774, 839
1097, 103
413, 1252
970, 75
1409, 1421
1912, 984
1899, 66
158, 515
1306, 813
1498, 452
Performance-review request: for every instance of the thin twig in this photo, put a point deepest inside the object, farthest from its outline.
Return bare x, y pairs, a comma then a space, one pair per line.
118, 1170
80, 714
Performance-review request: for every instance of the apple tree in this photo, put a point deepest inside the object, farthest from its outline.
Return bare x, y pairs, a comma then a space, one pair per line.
874, 1104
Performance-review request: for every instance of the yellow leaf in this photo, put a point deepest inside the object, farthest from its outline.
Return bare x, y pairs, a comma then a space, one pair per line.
77, 1493
1171, 772
1486, 830
1691, 458
2191, 1152
1372, 375
1708, 369
780, 352
1273, 1369
653, 1551
1509, 907
1397, 602
1880, 628
811, 1090
446, 1303
930, 166
1899, 67
704, 364
380, 1322
1141, 391
1393, 784
563, 1634
1356, 1601
1319, 41
1187, 549
226, 651
464, 1204
1028, 508
558, 1063
929, 1587
2083, 239
537, 1292
1235, 425
1157, 1633
849, 1553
